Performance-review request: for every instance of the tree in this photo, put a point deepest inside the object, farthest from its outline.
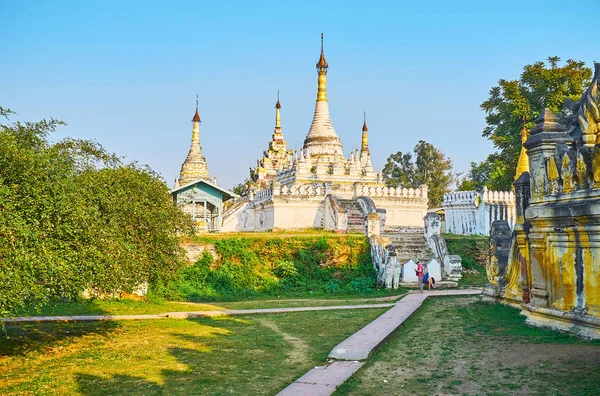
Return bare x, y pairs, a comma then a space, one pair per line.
240, 188
74, 217
485, 173
431, 167
514, 104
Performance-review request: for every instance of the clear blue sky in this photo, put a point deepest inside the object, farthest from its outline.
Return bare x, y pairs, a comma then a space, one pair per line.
127, 73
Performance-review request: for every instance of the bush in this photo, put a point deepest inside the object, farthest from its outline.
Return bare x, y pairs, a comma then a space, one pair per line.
254, 266
74, 217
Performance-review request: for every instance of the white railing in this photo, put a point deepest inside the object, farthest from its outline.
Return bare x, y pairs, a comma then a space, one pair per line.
472, 212
391, 192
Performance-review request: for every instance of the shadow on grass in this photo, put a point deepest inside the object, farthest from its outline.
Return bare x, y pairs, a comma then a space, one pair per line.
23, 338
213, 358
116, 384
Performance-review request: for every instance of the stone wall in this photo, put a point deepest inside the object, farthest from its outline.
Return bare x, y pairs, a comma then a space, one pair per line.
472, 213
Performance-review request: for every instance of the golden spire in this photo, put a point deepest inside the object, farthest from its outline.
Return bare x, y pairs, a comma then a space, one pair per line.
365, 137
196, 116
196, 128
278, 113
523, 164
322, 66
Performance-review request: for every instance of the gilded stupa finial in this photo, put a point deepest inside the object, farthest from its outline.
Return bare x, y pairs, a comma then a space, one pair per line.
277, 114
364, 147
322, 68
523, 163
322, 62
196, 116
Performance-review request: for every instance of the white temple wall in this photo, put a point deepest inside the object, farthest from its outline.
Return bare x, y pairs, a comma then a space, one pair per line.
298, 214
472, 213
241, 218
402, 214
304, 206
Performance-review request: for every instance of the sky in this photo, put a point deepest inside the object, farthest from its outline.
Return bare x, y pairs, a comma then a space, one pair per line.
126, 73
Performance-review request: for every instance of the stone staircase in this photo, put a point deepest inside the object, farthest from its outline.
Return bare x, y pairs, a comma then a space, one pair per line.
356, 218
410, 245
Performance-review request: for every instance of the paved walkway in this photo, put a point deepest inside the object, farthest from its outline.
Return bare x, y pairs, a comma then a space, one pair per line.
322, 381
187, 315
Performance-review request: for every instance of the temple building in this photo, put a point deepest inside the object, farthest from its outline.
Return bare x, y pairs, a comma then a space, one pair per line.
549, 265
194, 192
319, 187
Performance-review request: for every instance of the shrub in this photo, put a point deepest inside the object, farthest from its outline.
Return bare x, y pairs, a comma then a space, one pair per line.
253, 266
75, 217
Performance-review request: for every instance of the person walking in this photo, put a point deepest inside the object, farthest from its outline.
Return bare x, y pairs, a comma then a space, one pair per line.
420, 274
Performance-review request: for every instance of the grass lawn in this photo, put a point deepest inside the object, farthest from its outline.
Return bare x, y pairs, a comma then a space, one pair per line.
476, 277
258, 354
131, 307
458, 345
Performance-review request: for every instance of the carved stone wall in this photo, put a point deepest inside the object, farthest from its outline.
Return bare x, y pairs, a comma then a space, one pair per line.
553, 263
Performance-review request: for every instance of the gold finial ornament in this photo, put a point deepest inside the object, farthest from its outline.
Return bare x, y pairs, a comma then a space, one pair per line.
365, 137
322, 67
196, 116
523, 164
278, 112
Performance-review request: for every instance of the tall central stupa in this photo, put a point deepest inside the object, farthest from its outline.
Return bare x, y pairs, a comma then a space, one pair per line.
322, 142
318, 187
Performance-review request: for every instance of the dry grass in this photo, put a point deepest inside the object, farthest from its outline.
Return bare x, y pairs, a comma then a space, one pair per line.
457, 345
242, 355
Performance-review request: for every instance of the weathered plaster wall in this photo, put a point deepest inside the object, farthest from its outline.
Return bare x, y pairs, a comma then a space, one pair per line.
552, 266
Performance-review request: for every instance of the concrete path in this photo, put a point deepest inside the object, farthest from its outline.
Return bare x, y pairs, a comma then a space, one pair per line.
360, 345
187, 315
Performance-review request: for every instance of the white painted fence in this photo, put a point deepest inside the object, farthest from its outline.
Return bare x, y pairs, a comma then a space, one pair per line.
472, 213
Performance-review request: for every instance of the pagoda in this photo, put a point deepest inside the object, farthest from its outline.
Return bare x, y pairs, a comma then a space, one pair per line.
276, 158
194, 167
318, 187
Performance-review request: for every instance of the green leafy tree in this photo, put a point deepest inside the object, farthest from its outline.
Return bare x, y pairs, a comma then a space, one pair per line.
74, 217
430, 167
514, 104
485, 173
399, 170
240, 188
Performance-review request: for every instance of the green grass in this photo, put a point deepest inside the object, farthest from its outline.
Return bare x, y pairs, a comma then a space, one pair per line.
473, 278
473, 251
258, 354
131, 307
458, 345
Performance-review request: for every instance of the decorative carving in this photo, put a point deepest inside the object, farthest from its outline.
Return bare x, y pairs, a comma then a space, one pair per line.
538, 180
567, 174
499, 248
588, 112
581, 172
553, 176
596, 166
